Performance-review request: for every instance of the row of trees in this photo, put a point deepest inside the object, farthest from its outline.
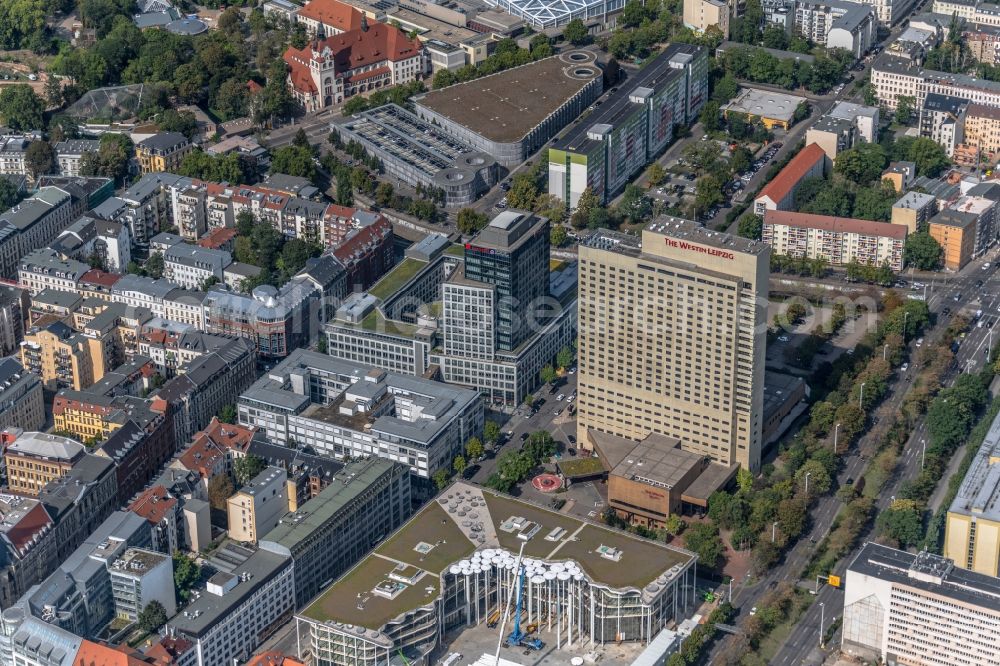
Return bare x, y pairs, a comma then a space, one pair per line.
757, 65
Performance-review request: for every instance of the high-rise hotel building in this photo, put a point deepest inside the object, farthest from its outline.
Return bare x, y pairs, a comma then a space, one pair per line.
672, 333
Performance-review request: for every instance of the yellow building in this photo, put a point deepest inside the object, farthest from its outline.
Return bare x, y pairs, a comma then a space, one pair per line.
87, 415
955, 232
982, 132
62, 357
773, 109
972, 530
671, 338
35, 458
701, 14
162, 152
259, 505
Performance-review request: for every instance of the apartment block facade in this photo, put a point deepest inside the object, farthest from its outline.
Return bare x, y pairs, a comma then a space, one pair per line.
838, 240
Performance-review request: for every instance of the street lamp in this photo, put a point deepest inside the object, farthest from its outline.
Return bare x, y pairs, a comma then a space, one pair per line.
861, 398
905, 315
822, 621
885, 351
774, 527
808, 474
923, 452
836, 431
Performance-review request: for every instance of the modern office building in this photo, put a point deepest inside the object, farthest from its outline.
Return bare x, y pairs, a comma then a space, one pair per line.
343, 409
444, 571
513, 113
839, 240
972, 529
419, 153
616, 141
140, 577
916, 609
365, 501
671, 338
257, 507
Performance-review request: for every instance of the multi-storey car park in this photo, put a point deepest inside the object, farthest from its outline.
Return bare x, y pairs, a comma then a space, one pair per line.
419, 153
453, 566
512, 113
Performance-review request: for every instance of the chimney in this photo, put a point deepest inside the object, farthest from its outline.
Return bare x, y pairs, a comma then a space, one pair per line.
364, 23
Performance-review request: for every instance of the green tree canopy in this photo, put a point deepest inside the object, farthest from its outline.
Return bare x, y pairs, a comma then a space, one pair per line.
576, 32
245, 468
152, 617
862, 164
20, 108
922, 251
704, 539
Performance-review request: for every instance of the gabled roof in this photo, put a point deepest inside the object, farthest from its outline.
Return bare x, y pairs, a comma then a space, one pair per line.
835, 224
154, 504
789, 177
341, 16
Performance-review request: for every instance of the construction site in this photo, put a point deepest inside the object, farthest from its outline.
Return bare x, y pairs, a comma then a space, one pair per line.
476, 571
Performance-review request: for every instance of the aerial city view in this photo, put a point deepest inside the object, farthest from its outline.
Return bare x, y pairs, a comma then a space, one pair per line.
499, 332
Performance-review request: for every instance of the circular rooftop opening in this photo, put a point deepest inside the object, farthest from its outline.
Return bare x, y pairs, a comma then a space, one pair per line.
576, 56
455, 176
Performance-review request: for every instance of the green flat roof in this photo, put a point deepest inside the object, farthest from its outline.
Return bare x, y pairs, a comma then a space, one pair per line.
374, 321
350, 599
581, 467
455, 250
396, 278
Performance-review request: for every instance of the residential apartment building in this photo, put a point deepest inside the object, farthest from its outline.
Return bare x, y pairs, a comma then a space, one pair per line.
12, 150
89, 238
21, 404
367, 58
865, 119
641, 345
837, 24
366, 251
32, 224
69, 154
832, 134
700, 14
981, 144
29, 552
45, 269
258, 506
366, 500
14, 306
963, 9
919, 609
618, 140
63, 358
274, 321
162, 152
239, 609
955, 232
779, 193
33, 459
914, 210
344, 409
893, 78
839, 240
942, 119
139, 449
972, 527
983, 42
193, 267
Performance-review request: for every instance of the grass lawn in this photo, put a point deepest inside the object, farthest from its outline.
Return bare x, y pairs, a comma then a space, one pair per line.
455, 250
502, 508
641, 560
556, 265
576, 467
396, 278
374, 321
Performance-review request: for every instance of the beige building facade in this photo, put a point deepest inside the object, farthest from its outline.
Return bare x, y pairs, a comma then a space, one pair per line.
671, 338
258, 506
701, 14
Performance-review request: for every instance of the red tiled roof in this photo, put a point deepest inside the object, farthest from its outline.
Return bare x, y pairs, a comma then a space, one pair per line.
299, 74
254, 87
341, 16
168, 650
836, 224
228, 436
273, 658
95, 654
99, 277
354, 246
217, 237
333, 210
789, 177
153, 504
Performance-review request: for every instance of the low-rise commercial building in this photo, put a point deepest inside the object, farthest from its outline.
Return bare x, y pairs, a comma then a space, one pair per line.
515, 112
918, 609
839, 240
779, 193
865, 119
773, 109
366, 501
344, 409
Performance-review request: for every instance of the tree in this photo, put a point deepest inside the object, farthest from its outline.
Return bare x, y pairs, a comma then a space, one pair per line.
154, 266
905, 105
929, 157
922, 251
576, 32
39, 159
708, 192
220, 489
491, 432
441, 478
564, 358
470, 221
20, 108
172, 120
657, 174
152, 617
588, 202
230, 20
710, 116
870, 95
523, 191
187, 573
294, 161
459, 464
744, 480
633, 14
245, 468
8, 194
902, 522
53, 91
861, 164
704, 539
443, 78
634, 204
474, 448
228, 413
22, 24
548, 374
558, 235
750, 226
384, 192
674, 525
819, 478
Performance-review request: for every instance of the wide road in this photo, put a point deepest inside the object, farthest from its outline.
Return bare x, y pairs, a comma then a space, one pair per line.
801, 645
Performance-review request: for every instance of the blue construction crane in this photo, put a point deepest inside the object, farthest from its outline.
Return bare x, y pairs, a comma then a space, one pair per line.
517, 637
